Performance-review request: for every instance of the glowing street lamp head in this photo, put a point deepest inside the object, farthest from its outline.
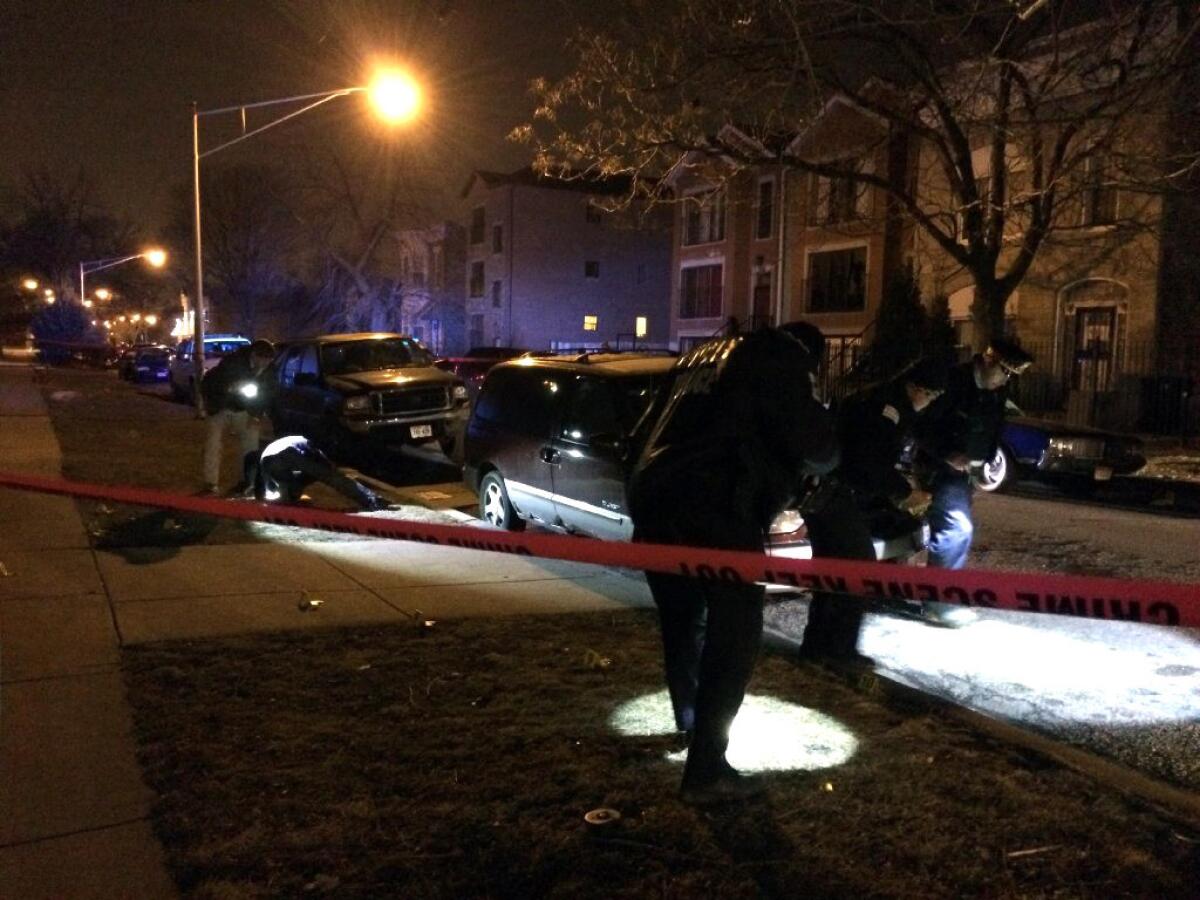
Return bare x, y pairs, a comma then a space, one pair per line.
30, 284
103, 293
156, 257
151, 319
395, 95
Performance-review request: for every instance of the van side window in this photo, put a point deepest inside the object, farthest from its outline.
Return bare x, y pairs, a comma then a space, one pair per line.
592, 411
522, 400
291, 365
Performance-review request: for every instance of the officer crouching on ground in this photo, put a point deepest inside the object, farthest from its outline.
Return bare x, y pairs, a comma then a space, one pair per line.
235, 395
873, 427
289, 464
960, 433
727, 447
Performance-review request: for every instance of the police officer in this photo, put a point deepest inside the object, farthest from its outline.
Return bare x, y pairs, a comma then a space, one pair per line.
235, 396
873, 427
289, 464
727, 449
958, 434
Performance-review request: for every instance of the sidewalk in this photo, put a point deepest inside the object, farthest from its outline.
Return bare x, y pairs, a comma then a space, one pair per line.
76, 819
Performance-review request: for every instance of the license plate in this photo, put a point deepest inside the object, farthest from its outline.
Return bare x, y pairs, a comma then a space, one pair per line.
1103, 473
421, 431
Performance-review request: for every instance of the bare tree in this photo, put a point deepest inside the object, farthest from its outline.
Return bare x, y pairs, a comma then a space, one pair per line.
353, 210
250, 237
1015, 122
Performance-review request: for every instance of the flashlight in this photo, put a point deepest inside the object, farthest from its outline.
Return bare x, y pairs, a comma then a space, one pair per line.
249, 390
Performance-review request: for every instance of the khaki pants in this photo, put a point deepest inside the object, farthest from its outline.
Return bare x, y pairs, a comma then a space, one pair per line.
244, 426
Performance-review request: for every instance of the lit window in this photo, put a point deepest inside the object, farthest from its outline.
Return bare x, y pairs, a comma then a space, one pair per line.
639, 328
590, 323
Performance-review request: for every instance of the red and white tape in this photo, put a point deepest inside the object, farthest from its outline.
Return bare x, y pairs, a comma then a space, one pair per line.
1153, 602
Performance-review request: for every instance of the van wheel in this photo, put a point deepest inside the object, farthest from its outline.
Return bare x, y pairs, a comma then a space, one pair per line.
494, 505
996, 473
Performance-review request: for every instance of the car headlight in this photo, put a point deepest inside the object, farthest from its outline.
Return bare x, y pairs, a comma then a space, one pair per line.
459, 392
249, 390
357, 405
787, 522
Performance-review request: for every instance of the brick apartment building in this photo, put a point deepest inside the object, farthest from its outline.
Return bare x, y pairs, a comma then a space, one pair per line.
432, 286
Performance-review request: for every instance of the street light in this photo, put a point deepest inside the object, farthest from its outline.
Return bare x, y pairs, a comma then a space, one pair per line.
30, 284
153, 256
396, 97
103, 293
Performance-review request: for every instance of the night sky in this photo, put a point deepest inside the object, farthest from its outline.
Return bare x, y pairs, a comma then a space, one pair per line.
108, 85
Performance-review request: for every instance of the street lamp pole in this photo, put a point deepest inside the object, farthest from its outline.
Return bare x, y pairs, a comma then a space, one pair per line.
397, 98
86, 267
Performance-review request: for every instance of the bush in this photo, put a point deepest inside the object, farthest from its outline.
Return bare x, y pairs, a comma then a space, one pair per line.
59, 325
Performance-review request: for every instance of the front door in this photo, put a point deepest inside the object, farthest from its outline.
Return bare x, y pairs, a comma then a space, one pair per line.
762, 299
1095, 348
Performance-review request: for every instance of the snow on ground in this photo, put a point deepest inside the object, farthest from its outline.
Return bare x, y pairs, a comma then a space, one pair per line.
1124, 690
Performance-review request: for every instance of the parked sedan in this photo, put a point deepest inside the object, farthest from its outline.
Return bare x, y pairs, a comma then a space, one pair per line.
363, 392
151, 363
476, 364
1031, 447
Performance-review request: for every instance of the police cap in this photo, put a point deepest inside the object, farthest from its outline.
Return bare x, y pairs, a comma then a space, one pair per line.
809, 336
1009, 355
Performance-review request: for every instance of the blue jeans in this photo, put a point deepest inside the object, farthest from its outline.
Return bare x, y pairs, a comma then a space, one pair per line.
950, 525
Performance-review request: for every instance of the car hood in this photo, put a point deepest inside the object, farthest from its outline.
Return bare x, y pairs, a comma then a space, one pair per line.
1061, 429
385, 379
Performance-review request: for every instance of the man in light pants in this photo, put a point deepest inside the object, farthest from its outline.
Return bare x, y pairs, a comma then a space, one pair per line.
235, 396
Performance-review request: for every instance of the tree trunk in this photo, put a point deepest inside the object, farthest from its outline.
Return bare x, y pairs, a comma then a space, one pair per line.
987, 313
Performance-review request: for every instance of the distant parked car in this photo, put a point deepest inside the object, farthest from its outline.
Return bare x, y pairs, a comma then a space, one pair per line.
1031, 447
363, 392
476, 364
216, 346
151, 364
549, 441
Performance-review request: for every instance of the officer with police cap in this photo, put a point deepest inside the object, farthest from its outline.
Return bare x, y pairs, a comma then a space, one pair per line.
873, 427
958, 435
235, 396
726, 448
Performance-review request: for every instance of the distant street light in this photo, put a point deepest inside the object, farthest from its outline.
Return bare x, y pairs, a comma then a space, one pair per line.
151, 320
154, 256
103, 293
30, 284
394, 94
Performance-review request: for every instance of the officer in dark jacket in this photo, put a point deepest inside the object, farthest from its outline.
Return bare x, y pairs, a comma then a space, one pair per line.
289, 464
873, 427
961, 433
728, 447
235, 395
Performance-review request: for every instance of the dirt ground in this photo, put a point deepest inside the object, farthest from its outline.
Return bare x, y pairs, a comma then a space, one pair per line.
461, 761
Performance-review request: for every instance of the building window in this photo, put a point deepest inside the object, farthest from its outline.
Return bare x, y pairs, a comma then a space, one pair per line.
764, 221
641, 273
477, 224
475, 335
591, 323
439, 268
497, 238
983, 187
496, 289
700, 292
640, 327
476, 279
591, 269
593, 213
837, 280
1099, 195
839, 199
704, 218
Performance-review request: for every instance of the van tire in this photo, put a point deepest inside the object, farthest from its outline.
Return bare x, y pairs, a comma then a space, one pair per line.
494, 506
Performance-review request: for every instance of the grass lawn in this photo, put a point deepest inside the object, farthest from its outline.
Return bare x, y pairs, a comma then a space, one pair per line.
461, 762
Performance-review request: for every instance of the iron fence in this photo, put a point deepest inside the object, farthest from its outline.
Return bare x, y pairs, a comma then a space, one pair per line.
1127, 386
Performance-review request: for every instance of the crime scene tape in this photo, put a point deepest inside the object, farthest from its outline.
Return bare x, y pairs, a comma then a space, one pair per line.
1151, 602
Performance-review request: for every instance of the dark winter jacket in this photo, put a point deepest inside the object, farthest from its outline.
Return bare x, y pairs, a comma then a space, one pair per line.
223, 383
965, 419
873, 427
735, 434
